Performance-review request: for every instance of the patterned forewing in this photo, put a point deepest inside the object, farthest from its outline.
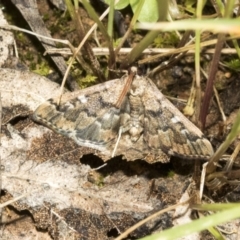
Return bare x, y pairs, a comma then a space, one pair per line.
169, 130
88, 116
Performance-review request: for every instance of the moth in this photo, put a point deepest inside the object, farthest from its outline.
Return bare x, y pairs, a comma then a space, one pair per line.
128, 117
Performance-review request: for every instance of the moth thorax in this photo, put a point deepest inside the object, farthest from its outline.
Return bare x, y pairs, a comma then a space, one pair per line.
136, 89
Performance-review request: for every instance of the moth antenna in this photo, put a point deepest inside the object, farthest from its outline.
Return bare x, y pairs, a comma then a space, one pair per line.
118, 139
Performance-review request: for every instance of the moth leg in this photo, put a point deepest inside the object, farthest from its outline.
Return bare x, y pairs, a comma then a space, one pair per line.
118, 139
95, 169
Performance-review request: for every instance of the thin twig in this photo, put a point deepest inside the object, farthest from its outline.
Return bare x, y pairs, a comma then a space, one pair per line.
101, 51
131, 229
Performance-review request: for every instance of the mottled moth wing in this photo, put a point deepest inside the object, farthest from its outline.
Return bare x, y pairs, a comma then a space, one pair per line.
88, 116
166, 128
152, 128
